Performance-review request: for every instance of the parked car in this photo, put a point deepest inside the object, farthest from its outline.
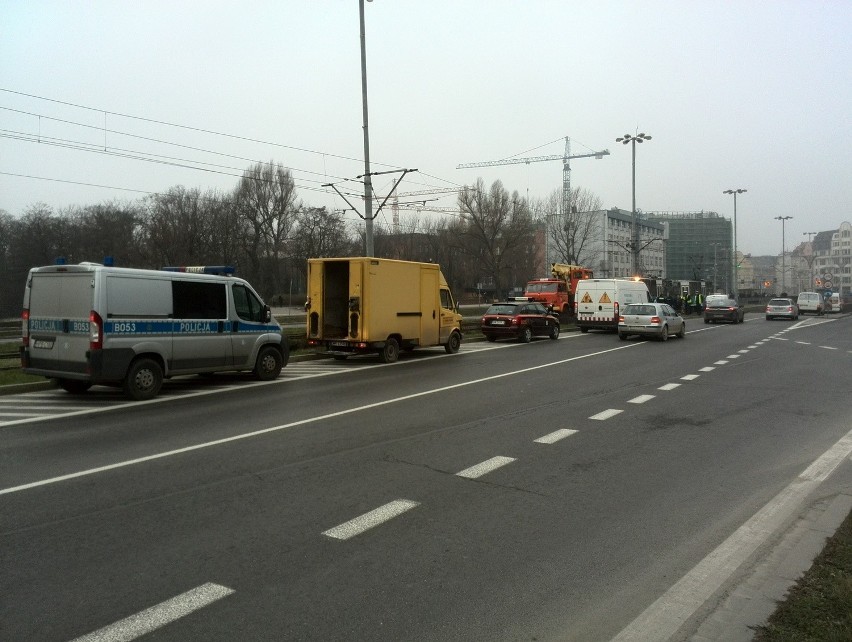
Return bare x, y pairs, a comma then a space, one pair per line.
834, 303
650, 319
810, 302
783, 308
521, 320
720, 307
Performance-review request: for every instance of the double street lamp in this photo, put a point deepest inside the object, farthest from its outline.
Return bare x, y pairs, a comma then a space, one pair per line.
736, 257
634, 232
783, 220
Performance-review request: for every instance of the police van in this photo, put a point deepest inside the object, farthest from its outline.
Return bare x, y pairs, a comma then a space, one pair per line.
90, 324
598, 302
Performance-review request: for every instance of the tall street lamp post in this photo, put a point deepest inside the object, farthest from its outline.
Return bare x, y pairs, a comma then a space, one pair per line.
368, 185
783, 220
634, 232
736, 257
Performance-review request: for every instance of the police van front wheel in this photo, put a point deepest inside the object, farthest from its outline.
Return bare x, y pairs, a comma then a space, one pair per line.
269, 363
143, 380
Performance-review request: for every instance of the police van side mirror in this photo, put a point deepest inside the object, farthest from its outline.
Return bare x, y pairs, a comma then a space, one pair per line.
267, 314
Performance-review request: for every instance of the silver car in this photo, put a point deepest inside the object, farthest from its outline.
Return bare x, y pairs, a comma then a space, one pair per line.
650, 319
782, 308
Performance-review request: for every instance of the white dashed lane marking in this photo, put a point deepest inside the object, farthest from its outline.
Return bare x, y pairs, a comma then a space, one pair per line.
720, 363
368, 520
669, 386
555, 436
158, 616
485, 467
641, 399
606, 414
690, 377
706, 369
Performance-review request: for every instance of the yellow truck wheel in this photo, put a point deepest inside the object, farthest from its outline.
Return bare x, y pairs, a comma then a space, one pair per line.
390, 352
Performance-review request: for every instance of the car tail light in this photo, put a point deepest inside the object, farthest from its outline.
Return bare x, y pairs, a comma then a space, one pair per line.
655, 319
621, 319
96, 331
789, 308
25, 327
767, 308
516, 320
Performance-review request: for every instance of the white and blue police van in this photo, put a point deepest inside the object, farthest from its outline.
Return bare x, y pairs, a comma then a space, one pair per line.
90, 324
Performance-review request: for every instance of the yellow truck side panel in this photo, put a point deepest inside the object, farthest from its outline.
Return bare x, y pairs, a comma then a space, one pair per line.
358, 304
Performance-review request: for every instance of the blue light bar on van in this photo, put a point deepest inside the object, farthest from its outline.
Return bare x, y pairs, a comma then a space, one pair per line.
202, 269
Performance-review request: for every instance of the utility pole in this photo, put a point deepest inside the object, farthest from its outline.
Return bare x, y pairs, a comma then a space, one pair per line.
368, 185
634, 232
783, 220
736, 257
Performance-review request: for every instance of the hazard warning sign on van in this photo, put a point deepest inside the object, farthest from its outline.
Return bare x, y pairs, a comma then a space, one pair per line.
586, 298
605, 298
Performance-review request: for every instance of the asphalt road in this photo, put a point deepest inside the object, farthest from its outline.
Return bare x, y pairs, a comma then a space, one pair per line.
573, 490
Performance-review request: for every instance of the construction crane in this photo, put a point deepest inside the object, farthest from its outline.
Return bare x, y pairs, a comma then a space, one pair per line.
566, 174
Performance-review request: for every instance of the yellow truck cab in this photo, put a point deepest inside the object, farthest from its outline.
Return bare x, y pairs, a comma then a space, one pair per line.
368, 305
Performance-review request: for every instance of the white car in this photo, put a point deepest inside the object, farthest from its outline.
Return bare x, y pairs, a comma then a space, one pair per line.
784, 308
650, 319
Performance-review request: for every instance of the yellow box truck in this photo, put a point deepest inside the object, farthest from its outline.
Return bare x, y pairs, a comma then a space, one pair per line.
369, 305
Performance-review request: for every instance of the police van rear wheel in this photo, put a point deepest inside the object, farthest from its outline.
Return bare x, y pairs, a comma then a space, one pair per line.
74, 386
390, 352
143, 380
269, 363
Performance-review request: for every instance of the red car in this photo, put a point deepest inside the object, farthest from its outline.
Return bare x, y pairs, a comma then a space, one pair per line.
521, 320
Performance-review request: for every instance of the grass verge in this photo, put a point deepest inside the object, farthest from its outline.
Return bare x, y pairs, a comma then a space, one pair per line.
819, 606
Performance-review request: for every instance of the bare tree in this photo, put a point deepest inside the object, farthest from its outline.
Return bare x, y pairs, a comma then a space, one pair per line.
177, 228
571, 233
498, 230
266, 201
319, 233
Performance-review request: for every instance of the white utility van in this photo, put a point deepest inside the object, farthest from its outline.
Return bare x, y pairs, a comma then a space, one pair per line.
88, 324
597, 302
810, 302
834, 303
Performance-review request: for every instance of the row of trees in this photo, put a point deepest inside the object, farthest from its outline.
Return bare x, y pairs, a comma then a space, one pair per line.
494, 242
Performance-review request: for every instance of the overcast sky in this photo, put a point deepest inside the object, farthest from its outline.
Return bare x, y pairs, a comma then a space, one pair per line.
741, 94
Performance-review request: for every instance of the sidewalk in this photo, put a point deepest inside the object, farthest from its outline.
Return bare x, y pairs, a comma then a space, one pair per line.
765, 579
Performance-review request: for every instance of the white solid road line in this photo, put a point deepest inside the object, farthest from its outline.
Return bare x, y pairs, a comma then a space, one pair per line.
665, 616
157, 616
368, 520
485, 467
555, 436
302, 422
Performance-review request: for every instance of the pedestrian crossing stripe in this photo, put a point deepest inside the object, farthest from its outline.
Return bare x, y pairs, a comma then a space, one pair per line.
586, 298
605, 298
